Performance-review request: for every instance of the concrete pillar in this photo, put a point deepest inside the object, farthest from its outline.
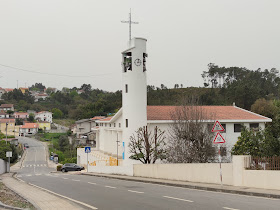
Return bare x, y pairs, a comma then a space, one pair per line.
239, 162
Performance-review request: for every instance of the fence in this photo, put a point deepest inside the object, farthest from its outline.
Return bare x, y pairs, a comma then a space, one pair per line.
262, 163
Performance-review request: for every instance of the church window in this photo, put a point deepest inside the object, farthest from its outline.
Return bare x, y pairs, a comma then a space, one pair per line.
126, 88
145, 55
127, 61
126, 123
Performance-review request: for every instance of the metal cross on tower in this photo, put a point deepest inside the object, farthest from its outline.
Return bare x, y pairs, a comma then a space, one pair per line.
129, 22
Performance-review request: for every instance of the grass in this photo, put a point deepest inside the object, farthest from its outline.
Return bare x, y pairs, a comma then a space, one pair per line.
64, 122
10, 198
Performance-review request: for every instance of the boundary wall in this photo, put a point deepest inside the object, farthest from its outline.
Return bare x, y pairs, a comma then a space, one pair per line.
3, 166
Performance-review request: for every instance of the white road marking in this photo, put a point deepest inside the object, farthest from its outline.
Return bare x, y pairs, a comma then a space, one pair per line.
28, 175
134, 191
75, 180
110, 187
38, 164
19, 175
75, 201
180, 199
64, 178
229, 208
41, 164
38, 174
91, 183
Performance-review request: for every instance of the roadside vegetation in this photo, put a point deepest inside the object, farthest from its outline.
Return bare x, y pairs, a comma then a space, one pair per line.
59, 144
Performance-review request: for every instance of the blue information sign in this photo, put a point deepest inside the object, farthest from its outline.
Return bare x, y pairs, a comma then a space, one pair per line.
87, 149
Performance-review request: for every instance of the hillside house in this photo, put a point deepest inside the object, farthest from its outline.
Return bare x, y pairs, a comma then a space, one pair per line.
44, 116
28, 129
7, 107
21, 115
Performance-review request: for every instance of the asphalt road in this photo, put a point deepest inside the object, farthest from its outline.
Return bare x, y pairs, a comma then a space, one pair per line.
105, 193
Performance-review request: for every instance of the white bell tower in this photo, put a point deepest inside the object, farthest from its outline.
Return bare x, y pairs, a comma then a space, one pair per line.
134, 91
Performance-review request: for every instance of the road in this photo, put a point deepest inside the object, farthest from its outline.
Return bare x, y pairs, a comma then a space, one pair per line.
107, 194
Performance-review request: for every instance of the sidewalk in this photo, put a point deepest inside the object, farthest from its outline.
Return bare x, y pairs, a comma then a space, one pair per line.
39, 198
193, 185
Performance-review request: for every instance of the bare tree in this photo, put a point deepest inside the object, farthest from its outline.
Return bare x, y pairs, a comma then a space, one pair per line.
190, 137
147, 146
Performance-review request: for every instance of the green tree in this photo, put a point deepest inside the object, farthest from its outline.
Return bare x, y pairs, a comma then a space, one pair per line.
57, 113
63, 143
31, 117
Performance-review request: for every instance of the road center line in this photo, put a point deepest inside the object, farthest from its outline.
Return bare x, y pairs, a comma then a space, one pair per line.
134, 191
180, 199
110, 187
229, 208
64, 178
75, 180
91, 183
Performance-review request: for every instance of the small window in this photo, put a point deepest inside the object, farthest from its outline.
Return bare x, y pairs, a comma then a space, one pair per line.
225, 128
237, 128
114, 124
254, 126
110, 124
126, 123
105, 125
126, 88
119, 124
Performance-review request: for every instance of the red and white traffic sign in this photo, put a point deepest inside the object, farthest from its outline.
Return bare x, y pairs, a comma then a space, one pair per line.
219, 139
217, 127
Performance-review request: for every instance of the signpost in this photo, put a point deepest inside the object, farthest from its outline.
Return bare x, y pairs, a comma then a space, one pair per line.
9, 154
87, 150
219, 140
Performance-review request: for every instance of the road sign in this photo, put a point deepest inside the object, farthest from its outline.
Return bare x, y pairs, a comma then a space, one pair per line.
219, 139
87, 149
217, 127
9, 154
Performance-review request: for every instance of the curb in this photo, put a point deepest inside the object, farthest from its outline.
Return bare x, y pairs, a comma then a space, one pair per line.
20, 194
2, 205
213, 189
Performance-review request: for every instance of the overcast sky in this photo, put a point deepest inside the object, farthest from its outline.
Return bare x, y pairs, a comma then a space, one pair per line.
85, 38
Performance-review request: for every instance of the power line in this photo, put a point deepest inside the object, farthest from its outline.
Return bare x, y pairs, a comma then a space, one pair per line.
51, 74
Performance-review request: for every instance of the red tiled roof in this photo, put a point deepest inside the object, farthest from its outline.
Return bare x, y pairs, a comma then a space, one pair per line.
7, 120
106, 119
7, 105
21, 113
217, 112
98, 117
29, 125
9, 89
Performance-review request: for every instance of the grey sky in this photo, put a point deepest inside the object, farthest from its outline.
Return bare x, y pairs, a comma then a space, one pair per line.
85, 37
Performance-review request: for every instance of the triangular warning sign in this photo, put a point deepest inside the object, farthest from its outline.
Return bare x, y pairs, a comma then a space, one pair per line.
219, 139
217, 127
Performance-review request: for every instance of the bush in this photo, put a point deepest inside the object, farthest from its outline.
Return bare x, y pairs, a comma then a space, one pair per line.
58, 168
69, 160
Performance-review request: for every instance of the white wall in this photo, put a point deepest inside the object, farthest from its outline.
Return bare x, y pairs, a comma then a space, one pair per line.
3, 167
122, 170
192, 172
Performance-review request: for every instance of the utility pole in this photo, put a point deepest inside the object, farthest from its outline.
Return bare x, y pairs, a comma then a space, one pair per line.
118, 149
6, 132
129, 22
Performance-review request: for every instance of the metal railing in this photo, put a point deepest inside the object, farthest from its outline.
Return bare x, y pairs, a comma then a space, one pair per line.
262, 163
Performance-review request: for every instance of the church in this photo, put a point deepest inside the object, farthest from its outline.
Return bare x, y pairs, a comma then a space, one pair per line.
113, 133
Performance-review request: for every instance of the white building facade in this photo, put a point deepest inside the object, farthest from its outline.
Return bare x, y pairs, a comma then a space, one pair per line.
44, 116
